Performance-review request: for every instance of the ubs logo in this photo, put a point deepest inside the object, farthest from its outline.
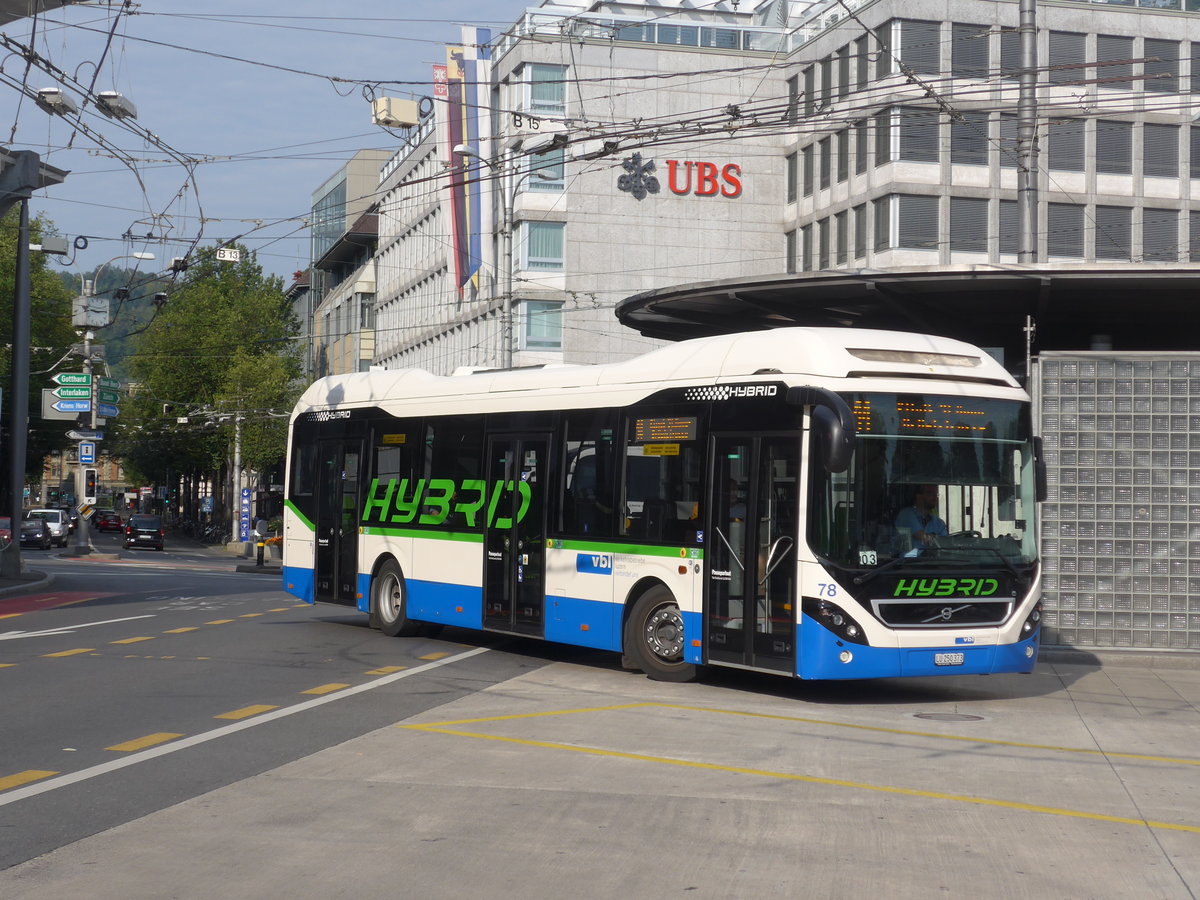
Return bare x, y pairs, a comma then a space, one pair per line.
687, 176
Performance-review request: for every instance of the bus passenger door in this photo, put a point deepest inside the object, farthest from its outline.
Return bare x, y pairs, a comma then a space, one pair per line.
515, 542
336, 564
750, 555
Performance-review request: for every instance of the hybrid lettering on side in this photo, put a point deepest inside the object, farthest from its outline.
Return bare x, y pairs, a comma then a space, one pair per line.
430, 501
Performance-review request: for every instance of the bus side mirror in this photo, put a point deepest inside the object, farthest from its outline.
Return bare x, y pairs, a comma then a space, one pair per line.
832, 425
1039, 470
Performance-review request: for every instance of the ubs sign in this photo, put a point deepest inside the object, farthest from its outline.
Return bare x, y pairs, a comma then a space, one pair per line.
698, 177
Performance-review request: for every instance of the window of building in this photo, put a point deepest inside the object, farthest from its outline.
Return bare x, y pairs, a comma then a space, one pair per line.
1194, 235
843, 70
1160, 150
826, 162
542, 245
547, 89
1065, 144
806, 158
1114, 232
860, 231
917, 222
823, 245
1064, 229
883, 222
789, 168
1160, 235
1067, 57
969, 224
862, 62
1010, 54
543, 324
810, 91
969, 50
793, 92
861, 143
546, 171
1161, 66
806, 249
843, 155
841, 237
789, 252
918, 135
920, 46
969, 139
1010, 228
883, 137
1009, 145
1195, 70
1114, 147
884, 63
1114, 70
1194, 140
827, 81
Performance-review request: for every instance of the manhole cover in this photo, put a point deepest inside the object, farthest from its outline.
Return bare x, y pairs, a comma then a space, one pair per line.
948, 717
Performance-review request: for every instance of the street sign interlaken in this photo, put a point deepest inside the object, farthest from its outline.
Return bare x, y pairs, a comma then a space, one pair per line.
71, 392
74, 378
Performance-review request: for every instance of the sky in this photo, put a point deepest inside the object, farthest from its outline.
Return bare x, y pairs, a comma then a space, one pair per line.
252, 88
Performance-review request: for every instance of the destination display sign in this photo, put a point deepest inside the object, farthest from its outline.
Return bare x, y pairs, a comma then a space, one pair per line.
665, 429
934, 416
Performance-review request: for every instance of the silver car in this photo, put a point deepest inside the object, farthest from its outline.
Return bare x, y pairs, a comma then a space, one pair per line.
58, 521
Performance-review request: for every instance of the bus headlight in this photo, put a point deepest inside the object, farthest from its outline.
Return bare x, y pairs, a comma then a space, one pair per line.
1032, 622
835, 619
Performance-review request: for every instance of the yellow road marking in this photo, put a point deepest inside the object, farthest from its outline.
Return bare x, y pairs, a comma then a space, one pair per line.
280, 609
9, 615
246, 712
249, 615
61, 653
143, 742
442, 728
133, 640
386, 670
182, 630
219, 622
12, 781
326, 688
432, 656
46, 599
7, 665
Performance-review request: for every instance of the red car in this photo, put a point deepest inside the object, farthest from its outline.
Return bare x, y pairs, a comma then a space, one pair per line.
106, 520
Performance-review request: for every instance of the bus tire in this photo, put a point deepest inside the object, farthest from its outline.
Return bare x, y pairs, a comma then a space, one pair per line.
654, 637
389, 602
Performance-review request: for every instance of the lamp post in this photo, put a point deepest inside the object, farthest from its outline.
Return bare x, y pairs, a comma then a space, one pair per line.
509, 184
82, 542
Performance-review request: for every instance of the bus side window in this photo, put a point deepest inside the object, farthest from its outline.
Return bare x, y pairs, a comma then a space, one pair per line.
303, 488
588, 482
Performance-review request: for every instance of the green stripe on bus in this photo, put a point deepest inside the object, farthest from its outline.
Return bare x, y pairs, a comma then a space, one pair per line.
464, 536
301, 516
631, 549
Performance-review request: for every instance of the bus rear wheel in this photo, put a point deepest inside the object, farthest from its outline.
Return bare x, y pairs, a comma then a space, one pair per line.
389, 596
654, 637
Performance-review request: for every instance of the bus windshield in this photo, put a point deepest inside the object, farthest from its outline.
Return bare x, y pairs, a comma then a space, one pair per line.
934, 481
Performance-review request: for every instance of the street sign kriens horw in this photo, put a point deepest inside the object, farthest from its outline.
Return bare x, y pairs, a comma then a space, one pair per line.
75, 406
73, 378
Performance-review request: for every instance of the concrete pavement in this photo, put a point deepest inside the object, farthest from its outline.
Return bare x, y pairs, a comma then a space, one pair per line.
580, 780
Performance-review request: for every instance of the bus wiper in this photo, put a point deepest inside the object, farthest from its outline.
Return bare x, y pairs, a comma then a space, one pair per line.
879, 570
1004, 559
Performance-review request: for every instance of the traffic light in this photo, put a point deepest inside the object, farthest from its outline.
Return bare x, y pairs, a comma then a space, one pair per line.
89, 485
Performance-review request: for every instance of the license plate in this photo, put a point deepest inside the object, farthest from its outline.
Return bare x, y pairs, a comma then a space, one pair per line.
947, 659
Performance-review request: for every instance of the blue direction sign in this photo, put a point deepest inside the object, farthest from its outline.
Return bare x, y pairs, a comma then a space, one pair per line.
108, 410
85, 434
87, 453
72, 405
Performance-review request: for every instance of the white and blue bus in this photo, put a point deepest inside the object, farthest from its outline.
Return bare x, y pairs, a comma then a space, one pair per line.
742, 500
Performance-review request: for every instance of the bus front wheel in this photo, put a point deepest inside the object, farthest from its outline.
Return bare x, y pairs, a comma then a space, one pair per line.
654, 637
388, 602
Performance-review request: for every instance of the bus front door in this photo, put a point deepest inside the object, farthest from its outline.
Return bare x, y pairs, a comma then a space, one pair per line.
750, 554
336, 562
515, 543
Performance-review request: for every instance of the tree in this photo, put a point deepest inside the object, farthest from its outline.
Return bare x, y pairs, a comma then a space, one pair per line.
51, 337
223, 344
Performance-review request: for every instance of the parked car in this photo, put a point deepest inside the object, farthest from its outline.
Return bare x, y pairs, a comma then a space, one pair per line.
56, 519
5, 530
35, 533
144, 530
106, 520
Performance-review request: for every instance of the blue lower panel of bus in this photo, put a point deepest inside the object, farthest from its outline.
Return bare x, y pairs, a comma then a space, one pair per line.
820, 652
585, 623
446, 604
299, 583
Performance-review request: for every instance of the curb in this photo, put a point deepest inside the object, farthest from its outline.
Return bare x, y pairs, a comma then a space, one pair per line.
252, 569
25, 586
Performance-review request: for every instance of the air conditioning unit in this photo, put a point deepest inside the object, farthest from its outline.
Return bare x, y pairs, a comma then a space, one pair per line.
393, 113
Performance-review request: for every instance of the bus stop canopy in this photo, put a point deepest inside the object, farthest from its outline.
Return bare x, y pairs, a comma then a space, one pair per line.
1072, 306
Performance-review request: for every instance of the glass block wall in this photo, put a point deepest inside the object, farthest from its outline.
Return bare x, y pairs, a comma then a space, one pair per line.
1121, 524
